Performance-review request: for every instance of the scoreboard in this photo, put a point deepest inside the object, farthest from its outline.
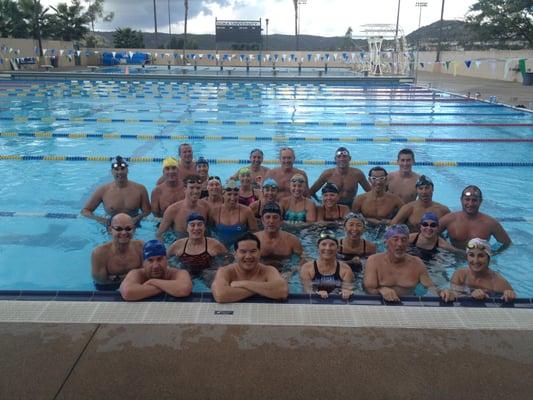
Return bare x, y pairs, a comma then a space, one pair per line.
238, 31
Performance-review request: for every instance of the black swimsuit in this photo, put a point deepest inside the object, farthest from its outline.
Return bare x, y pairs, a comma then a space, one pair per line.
424, 254
348, 257
327, 283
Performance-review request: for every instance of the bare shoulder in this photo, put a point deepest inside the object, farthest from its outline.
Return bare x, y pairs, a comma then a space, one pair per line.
357, 172
137, 244
270, 271
102, 250
459, 275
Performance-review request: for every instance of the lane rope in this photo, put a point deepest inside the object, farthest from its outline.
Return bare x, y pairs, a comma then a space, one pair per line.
59, 215
17, 157
250, 138
163, 121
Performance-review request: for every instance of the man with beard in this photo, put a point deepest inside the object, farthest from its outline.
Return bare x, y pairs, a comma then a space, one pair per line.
186, 165
470, 223
170, 191
155, 277
411, 212
395, 273
344, 177
119, 196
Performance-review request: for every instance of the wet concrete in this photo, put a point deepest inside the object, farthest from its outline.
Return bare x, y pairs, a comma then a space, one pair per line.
234, 362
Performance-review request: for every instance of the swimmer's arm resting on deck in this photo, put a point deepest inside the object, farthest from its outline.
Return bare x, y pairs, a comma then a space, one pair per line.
179, 285
92, 204
274, 288
222, 290
371, 282
133, 288
445, 294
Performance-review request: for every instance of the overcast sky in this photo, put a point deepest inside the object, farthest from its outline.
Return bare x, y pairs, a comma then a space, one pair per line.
318, 17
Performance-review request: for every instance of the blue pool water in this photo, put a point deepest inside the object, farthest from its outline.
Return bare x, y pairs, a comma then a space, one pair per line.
224, 121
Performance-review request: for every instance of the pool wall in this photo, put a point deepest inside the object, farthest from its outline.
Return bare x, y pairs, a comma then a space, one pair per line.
88, 361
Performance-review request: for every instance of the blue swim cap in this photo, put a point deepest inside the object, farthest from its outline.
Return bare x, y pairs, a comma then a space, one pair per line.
270, 182
153, 248
397, 229
430, 216
194, 216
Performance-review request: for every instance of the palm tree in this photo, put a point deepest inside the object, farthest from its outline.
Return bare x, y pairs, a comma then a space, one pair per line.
35, 15
155, 26
70, 22
12, 23
128, 38
296, 24
186, 4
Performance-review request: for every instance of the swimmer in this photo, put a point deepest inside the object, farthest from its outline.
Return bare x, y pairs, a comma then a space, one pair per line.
202, 170
231, 219
353, 249
330, 210
298, 209
119, 196
111, 261
214, 192
257, 171
283, 174
327, 274
411, 212
402, 182
478, 279
175, 216
276, 245
186, 165
395, 273
269, 194
170, 191
196, 252
247, 193
345, 177
248, 277
377, 206
155, 277
470, 223
426, 242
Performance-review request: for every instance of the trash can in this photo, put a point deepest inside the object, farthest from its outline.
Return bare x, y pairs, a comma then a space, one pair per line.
527, 78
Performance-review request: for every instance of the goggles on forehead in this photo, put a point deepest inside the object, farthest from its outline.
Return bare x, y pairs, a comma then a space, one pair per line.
211, 178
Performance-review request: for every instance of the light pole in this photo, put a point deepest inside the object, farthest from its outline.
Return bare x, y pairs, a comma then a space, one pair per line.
420, 5
300, 2
396, 49
266, 36
439, 46
155, 26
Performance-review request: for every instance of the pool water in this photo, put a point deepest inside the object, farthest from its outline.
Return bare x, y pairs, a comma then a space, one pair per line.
78, 123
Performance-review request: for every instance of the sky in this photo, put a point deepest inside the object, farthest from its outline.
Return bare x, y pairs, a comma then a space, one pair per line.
318, 17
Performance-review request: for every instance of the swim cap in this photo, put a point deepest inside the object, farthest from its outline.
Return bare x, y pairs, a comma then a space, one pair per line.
472, 191
153, 248
170, 162
201, 160
118, 161
272, 208
245, 170
194, 216
330, 188
429, 216
480, 244
354, 215
231, 185
298, 178
395, 230
423, 180
327, 234
342, 151
270, 183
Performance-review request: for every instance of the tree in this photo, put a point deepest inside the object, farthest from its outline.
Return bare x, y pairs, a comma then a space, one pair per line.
95, 11
128, 38
69, 22
12, 23
347, 44
502, 19
37, 20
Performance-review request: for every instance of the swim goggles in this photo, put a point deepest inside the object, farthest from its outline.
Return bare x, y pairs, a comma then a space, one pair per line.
327, 234
122, 228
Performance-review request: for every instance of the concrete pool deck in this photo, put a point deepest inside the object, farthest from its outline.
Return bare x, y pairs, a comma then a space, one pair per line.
510, 93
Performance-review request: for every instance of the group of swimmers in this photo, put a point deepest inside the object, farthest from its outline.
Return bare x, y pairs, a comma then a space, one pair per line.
193, 204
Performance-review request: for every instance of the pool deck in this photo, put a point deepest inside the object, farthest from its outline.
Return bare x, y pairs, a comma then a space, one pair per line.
510, 93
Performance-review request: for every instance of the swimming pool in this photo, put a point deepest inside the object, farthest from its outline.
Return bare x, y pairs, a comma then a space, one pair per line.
56, 137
